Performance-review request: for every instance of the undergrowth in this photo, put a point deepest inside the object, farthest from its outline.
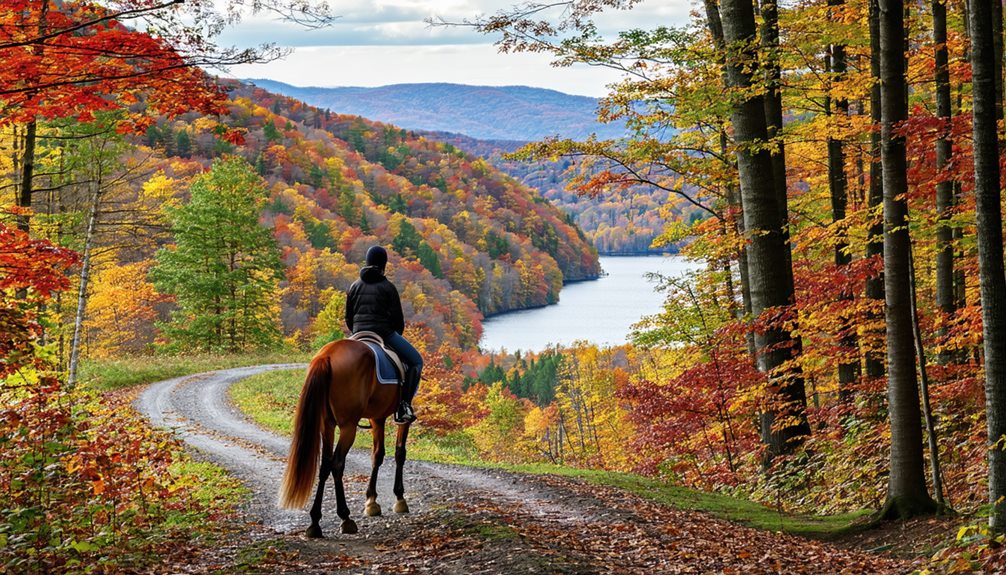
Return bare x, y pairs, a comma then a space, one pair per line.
90, 488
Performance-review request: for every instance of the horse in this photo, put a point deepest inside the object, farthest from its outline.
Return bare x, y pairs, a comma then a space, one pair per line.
340, 389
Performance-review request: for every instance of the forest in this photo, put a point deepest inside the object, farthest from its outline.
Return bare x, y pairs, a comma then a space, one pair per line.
621, 220
842, 349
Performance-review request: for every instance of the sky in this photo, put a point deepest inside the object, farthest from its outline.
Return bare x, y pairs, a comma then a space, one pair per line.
380, 42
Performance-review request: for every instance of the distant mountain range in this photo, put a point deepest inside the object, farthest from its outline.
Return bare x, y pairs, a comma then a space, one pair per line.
483, 112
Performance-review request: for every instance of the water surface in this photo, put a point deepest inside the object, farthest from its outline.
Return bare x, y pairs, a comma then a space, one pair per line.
601, 311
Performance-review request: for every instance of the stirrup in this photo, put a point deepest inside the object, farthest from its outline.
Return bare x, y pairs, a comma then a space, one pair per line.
404, 414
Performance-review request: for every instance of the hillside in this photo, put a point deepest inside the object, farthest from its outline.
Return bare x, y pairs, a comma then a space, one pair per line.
485, 112
466, 240
488, 122
615, 222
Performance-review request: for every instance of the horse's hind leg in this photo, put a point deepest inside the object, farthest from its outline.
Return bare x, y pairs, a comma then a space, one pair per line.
347, 434
327, 437
372, 507
403, 434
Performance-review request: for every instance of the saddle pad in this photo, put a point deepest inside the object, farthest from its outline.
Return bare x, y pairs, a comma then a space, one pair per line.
386, 372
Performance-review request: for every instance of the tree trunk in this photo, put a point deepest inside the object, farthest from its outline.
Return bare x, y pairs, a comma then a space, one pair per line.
838, 186
734, 200
944, 187
907, 494
997, 51
767, 252
773, 112
875, 241
773, 128
26, 176
960, 299
990, 247
85, 276
927, 410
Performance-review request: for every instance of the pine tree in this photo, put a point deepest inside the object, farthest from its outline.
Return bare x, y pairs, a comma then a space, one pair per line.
224, 268
407, 240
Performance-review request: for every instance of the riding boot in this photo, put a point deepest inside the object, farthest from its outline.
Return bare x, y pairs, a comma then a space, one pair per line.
410, 385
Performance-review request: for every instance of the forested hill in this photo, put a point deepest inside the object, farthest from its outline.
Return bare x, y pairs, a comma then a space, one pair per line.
464, 237
621, 221
487, 122
485, 112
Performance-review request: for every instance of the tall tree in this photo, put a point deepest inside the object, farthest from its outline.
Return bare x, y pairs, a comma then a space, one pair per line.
944, 187
224, 268
907, 493
990, 247
784, 423
874, 361
94, 154
837, 107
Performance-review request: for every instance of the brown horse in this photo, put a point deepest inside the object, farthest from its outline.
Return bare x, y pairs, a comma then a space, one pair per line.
341, 389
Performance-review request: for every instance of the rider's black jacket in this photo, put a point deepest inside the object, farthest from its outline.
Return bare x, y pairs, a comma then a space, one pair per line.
372, 304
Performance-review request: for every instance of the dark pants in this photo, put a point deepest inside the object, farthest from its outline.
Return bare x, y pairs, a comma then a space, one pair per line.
408, 354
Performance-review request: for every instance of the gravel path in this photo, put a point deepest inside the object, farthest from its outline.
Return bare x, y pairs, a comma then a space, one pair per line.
473, 521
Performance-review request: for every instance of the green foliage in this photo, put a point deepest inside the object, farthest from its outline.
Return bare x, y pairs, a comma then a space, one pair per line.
319, 234
278, 206
496, 245
270, 132
224, 268
535, 379
428, 257
407, 240
397, 204
183, 144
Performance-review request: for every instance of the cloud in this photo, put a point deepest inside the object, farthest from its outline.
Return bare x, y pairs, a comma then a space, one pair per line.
402, 23
380, 42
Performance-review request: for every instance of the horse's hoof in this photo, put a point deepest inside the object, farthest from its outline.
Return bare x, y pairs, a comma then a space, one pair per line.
401, 506
314, 532
372, 510
349, 527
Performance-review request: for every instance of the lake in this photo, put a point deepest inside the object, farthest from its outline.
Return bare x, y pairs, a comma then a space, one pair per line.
601, 311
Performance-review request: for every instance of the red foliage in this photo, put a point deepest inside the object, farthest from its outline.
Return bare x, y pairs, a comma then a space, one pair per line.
51, 72
692, 422
30, 270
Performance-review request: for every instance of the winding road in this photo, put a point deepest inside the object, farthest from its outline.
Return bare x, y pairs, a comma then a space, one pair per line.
475, 521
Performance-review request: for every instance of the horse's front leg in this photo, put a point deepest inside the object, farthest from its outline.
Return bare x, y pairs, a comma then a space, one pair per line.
347, 434
377, 428
327, 437
403, 434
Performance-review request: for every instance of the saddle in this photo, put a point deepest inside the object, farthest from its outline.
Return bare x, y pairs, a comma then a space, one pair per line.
390, 369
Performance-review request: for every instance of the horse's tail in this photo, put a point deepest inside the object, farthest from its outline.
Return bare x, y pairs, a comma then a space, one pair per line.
302, 463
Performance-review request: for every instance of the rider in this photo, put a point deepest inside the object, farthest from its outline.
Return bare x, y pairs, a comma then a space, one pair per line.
372, 304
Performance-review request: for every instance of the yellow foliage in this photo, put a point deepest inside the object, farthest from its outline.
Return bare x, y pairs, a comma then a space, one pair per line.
121, 310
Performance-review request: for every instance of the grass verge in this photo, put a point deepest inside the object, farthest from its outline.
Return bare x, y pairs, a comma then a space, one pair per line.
733, 509
111, 374
270, 399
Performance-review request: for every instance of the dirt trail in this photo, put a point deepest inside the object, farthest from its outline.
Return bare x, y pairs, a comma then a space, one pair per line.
472, 521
